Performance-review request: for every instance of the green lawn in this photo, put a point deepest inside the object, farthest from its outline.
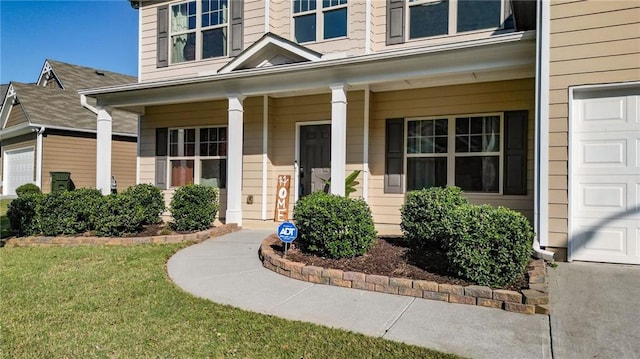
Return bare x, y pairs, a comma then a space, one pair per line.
117, 302
4, 221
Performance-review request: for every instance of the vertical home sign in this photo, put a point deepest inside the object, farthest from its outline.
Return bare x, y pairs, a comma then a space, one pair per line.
281, 213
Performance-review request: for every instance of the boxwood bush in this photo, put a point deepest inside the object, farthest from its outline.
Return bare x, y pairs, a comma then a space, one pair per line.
194, 207
69, 212
333, 226
27, 188
490, 246
22, 214
150, 198
119, 214
427, 215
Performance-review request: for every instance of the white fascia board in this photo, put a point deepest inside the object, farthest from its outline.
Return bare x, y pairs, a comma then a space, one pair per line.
499, 52
71, 129
19, 130
261, 45
7, 104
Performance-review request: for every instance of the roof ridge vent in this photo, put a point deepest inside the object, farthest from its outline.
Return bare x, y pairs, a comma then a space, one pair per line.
98, 72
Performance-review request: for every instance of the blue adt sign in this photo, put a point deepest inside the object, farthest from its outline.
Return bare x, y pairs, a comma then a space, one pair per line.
287, 232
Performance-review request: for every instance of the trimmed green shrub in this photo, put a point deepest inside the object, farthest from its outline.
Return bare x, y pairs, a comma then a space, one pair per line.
119, 214
333, 226
69, 212
27, 188
194, 207
150, 198
22, 214
426, 215
490, 246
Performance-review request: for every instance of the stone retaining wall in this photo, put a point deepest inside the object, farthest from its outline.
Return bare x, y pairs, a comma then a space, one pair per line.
87, 241
530, 301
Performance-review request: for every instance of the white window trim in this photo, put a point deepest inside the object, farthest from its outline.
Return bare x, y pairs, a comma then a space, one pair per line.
453, 20
319, 12
197, 167
198, 32
451, 150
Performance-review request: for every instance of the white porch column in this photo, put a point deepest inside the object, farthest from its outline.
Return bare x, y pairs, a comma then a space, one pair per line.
103, 150
338, 138
234, 160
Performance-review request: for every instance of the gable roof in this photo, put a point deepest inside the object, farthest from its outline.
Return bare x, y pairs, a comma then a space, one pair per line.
74, 77
57, 108
270, 50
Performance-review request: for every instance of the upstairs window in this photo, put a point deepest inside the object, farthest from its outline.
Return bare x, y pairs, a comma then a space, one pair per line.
428, 18
325, 19
198, 30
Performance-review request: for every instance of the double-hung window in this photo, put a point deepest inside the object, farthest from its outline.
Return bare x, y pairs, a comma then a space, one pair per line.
325, 19
198, 155
426, 18
464, 151
198, 30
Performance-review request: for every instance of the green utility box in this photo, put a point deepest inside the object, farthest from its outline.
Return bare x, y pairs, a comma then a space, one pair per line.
60, 181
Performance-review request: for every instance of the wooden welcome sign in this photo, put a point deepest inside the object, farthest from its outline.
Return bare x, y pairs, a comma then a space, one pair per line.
281, 212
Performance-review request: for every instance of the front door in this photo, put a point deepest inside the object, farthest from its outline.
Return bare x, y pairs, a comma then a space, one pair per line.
315, 157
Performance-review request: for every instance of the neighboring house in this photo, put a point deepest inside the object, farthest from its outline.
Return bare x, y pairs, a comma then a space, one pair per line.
415, 93
49, 127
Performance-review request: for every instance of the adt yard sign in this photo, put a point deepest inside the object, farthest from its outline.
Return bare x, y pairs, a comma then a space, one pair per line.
287, 232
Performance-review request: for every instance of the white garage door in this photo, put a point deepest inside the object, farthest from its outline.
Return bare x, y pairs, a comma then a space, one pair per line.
605, 179
19, 166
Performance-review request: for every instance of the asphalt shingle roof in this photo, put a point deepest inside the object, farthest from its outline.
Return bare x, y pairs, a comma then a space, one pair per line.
74, 77
61, 108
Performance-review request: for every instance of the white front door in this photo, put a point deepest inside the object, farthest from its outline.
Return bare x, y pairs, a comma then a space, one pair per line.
604, 222
18, 169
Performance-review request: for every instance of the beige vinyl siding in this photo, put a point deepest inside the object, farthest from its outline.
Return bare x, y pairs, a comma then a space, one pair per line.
202, 114
253, 27
76, 155
123, 163
279, 18
592, 42
449, 100
16, 116
15, 143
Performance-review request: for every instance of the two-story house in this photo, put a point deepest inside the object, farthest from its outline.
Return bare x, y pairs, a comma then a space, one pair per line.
413, 93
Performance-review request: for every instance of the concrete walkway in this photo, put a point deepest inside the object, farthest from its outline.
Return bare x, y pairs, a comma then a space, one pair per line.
595, 310
227, 270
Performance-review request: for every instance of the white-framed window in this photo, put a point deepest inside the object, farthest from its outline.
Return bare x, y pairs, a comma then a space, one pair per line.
460, 150
427, 18
198, 155
198, 30
319, 19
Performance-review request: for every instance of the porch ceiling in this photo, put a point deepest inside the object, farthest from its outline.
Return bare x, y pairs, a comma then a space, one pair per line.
500, 58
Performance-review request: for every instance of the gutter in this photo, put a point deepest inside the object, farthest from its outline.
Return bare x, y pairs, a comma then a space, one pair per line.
83, 102
39, 132
315, 65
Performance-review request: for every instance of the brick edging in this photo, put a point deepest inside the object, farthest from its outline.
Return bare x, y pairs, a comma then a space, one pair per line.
197, 237
530, 301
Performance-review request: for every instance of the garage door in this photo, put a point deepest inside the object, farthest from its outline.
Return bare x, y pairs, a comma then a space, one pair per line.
19, 166
605, 179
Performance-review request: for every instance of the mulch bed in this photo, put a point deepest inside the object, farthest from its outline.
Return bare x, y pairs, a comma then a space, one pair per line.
392, 257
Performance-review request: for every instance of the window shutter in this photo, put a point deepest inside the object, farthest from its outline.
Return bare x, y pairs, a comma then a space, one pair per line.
394, 156
515, 152
162, 56
162, 138
395, 22
236, 27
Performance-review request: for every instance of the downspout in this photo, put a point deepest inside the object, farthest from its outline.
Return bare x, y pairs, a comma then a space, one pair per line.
83, 102
39, 133
365, 146
541, 177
